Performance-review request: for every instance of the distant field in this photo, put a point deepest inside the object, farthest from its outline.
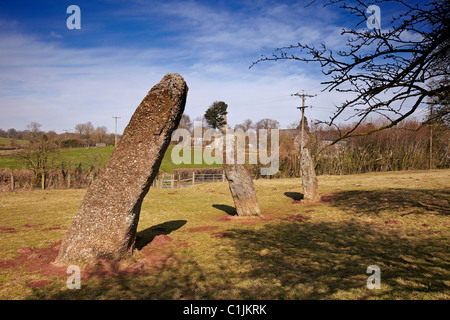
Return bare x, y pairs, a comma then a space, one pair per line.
190, 245
73, 157
7, 142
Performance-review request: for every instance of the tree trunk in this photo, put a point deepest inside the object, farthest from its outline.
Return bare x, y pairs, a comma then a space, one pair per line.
106, 222
309, 178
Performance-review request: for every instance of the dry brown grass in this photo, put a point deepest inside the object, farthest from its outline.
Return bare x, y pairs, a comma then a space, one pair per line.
191, 247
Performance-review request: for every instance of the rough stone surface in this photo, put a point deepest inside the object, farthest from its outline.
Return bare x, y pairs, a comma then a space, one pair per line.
309, 178
242, 189
241, 184
105, 224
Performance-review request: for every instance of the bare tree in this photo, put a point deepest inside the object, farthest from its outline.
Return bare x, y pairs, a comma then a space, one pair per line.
186, 123
387, 71
100, 135
85, 130
245, 125
38, 157
34, 127
267, 124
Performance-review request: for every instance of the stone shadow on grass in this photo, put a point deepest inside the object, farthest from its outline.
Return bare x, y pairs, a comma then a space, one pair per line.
227, 209
146, 236
297, 196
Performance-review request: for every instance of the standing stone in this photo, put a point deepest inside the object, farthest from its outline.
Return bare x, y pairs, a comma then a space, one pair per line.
239, 180
106, 222
309, 178
242, 189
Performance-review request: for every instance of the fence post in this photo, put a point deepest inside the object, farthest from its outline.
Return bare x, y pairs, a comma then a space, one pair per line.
193, 178
172, 180
179, 181
12, 181
156, 181
68, 180
223, 176
43, 180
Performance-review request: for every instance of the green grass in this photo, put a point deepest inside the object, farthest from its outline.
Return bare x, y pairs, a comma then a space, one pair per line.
7, 142
74, 156
167, 165
398, 221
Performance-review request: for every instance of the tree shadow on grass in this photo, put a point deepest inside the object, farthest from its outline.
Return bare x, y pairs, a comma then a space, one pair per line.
144, 237
329, 260
398, 200
225, 208
297, 196
167, 281
288, 259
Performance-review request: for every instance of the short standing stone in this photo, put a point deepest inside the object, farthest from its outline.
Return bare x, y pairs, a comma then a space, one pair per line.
242, 189
309, 178
106, 222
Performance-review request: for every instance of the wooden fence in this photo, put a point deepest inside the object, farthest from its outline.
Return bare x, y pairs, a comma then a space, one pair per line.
25, 180
174, 180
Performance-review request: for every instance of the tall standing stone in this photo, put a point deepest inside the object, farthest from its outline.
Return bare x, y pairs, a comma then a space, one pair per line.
106, 222
239, 179
309, 178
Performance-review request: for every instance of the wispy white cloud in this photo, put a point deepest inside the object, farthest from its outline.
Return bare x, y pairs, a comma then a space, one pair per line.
55, 35
210, 46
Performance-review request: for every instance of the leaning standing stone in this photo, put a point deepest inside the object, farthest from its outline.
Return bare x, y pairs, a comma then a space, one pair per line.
242, 189
239, 180
106, 222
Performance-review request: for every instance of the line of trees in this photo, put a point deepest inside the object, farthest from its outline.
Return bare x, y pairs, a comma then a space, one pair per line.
84, 135
46, 167
411, 145
408, 146
266, 123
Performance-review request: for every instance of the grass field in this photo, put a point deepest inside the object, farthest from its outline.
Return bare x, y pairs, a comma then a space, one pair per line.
190, 246
74, 156
7, 142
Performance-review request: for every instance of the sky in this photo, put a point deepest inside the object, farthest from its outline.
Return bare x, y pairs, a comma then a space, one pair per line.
60, 77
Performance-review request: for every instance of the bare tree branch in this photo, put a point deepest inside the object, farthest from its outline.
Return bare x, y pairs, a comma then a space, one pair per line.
389, 71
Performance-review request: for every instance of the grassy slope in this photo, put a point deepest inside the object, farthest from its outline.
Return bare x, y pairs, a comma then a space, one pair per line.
75, 156
398, 221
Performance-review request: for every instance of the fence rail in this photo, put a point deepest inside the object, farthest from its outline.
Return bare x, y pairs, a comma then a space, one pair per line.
173, 181
17, 180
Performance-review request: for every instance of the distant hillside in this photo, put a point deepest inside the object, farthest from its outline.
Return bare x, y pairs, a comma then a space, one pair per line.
95, 156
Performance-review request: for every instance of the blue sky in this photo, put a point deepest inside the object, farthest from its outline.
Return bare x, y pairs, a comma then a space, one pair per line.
60, 77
